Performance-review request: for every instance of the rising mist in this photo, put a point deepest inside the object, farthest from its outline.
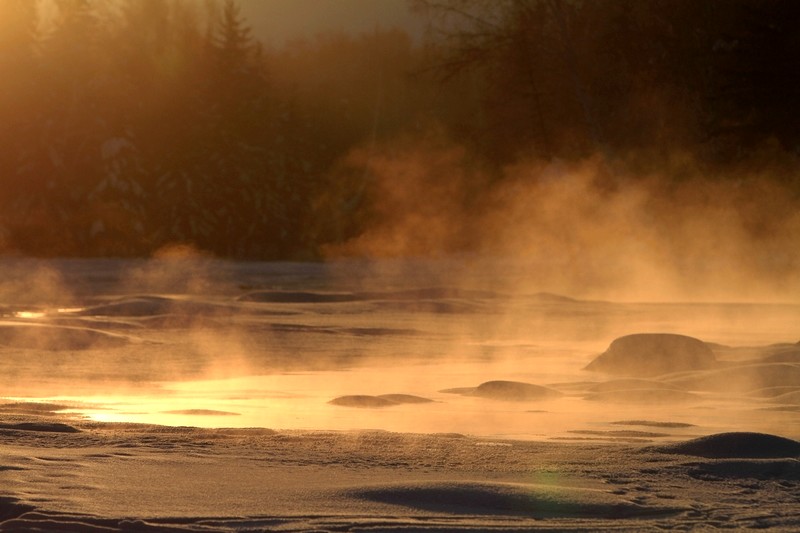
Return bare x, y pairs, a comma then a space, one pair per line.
590, 228
596, 145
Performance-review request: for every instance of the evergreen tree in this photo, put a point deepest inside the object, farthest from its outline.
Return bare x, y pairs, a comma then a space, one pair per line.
18, 104
60, 163
757, 88
533, 55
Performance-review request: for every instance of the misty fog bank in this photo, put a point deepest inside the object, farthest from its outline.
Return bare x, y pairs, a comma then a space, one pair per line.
626, 146
585, 227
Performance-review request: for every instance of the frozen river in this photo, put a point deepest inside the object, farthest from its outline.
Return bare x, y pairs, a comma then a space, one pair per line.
199, 342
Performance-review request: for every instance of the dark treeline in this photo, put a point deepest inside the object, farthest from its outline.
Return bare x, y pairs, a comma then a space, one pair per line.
129, 125
567, 78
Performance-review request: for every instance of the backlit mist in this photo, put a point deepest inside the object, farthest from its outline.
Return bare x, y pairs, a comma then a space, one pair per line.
424, 265
509, 150
603, 146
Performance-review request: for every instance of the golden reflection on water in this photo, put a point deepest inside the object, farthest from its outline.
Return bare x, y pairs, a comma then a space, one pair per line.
300, 401
29, 314
547, 346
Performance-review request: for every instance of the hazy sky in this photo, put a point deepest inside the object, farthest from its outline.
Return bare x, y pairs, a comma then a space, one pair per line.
273, 21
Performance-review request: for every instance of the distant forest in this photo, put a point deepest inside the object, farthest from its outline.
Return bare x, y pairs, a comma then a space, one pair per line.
129, 125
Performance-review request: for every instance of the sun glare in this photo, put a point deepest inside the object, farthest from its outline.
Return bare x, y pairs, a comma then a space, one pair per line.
29, 314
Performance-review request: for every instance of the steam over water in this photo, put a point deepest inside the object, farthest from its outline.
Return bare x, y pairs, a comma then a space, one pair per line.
447, 346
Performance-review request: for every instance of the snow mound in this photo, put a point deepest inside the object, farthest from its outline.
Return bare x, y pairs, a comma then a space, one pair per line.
735, 445
539, 501
653, 354
514, 391
383, 400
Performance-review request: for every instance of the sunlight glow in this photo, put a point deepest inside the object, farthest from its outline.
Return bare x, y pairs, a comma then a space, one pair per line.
29, 314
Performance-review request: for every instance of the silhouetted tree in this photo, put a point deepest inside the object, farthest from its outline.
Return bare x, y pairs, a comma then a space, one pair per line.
60, 164
757, 88
568, 77
131, 124
18, 103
